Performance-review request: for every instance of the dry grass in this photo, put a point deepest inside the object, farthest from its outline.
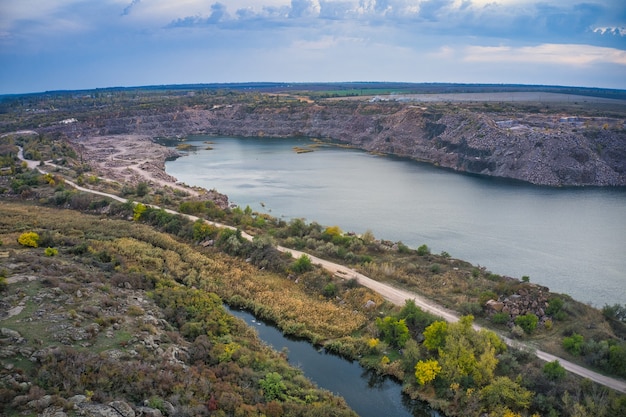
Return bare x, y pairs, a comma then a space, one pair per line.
135, 247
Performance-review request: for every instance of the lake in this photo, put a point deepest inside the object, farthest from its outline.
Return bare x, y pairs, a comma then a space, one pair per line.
572, 240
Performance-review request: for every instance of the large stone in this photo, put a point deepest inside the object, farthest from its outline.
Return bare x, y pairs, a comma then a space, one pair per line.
123, 408
494, 305
149, 412
4, 332
53, 412
88, 409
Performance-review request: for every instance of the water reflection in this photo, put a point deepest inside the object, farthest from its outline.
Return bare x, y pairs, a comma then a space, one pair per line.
367, 393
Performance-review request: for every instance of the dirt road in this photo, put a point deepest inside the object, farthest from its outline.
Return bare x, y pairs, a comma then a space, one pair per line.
398, 297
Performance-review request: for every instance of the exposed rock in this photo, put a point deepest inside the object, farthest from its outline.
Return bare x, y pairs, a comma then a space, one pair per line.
4, 332
123, 408
53, 412
89, 409
532, 147
40, 404
77, 399
149, 412
527, 299
495, 305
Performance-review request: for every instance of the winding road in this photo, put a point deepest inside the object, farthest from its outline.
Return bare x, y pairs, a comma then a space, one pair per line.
394, 295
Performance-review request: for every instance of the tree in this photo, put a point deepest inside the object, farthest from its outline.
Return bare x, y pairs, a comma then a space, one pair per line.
414, 316
435, 335
505, 392
426, 371
467, 356
29, 239
394, 331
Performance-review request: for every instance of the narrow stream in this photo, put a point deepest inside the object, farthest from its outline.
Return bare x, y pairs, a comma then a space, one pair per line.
367, 393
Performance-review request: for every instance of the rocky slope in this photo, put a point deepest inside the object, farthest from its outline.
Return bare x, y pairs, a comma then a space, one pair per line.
546, 149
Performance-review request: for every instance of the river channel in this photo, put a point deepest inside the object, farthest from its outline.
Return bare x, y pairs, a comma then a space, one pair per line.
572, 240
368, 394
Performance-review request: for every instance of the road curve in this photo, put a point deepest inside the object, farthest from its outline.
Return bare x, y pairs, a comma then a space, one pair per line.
394, 295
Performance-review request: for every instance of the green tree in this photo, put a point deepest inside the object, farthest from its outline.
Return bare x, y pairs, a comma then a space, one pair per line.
394, 331
502, 391
469, 356
414, 316
435, 335
29, 239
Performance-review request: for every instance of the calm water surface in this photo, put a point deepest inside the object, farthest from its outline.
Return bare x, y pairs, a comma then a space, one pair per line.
365, 392
571, 240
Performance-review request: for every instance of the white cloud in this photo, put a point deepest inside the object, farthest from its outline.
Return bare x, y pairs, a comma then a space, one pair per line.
621, 31
566, 54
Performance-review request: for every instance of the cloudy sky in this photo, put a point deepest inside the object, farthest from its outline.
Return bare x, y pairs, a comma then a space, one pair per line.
82, 44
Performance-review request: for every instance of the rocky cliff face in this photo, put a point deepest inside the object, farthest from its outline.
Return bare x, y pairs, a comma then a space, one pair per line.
554, 150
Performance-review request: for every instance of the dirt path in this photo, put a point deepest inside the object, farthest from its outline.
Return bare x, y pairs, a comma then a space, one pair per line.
394, 295
130, 159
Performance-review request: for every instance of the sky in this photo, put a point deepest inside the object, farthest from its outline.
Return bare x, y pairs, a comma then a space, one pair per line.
84, 44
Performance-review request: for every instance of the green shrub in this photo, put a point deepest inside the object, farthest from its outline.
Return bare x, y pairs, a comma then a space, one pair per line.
500, 318
554, 306
302, 264
51, 251
423, 250
528, 322
554, 371
475, 309
573, 344
402, 248
613, 312
486, 296
330, 290
273, 386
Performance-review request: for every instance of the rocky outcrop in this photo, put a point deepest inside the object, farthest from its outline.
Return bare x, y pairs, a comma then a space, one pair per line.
529, 299
545, 149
